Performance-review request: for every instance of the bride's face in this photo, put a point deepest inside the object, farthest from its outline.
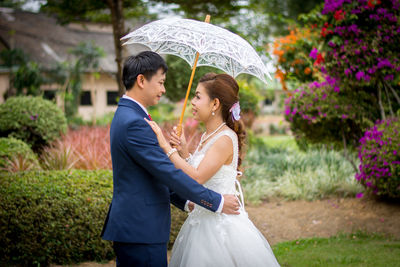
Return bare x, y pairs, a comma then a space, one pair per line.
202, 105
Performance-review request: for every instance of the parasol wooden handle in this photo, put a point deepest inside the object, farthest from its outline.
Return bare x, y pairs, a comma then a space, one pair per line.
179, 128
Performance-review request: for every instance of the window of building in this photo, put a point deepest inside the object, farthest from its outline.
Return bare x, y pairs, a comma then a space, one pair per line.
49, 94
112, 98
86, 100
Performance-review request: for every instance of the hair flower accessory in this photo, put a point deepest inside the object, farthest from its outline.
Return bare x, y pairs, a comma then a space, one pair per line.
235, 109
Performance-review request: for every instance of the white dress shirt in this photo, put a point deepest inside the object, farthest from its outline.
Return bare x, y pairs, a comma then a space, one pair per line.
221, 205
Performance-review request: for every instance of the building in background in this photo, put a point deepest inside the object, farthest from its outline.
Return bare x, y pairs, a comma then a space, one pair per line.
47, 42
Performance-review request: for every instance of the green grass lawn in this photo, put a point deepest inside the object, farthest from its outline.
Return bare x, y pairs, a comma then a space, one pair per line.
280, 141
344, 250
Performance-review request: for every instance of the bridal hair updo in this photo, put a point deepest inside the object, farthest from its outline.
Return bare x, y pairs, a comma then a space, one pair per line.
225, 88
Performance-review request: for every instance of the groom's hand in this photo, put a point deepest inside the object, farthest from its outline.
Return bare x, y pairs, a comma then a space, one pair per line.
231, 205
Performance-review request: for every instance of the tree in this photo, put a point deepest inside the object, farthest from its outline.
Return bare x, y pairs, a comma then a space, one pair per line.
25, 76
281, 13
357, 57
198, 9
77, 10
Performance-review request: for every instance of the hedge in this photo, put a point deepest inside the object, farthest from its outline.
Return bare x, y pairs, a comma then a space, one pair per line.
11, 148
36, 121
57, 216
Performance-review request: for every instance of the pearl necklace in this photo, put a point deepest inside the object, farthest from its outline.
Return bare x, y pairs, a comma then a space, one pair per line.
211, 134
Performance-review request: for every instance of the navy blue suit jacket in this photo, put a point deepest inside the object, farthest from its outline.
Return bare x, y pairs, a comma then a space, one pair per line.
143, 179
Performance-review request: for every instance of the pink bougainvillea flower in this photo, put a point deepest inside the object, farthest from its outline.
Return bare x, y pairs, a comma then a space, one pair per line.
313, 53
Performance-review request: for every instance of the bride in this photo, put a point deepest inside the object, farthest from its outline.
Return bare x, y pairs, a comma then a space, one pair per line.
206, 238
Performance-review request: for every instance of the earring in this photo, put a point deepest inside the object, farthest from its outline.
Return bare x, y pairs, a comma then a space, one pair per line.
213, 113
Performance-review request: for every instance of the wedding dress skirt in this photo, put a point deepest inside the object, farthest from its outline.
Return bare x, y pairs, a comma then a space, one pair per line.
209, 239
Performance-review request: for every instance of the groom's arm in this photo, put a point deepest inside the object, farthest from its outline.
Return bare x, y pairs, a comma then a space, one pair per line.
143, 147
177, 201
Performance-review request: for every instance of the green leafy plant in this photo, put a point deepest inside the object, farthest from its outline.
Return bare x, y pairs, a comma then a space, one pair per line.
57, 216
36, 121
59, 156
11, 148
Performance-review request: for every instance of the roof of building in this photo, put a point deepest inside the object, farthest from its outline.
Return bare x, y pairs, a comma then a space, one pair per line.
48, 42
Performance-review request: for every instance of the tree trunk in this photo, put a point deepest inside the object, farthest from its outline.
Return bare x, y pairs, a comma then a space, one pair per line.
117, 19
345, 152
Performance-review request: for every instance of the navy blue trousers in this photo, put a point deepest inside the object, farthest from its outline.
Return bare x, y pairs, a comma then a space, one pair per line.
140, 255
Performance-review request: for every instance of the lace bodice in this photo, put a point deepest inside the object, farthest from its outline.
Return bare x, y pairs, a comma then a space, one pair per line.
223, 181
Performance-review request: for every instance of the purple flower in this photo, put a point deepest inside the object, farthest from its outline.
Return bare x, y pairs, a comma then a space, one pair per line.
344, 116
389, 77
347, 72
287, 111
34, 117
360, 75
384, 63
360, 195
314, 53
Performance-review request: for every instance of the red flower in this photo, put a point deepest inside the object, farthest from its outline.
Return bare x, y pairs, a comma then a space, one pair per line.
320, 59
339, 15
372, 3
325, 30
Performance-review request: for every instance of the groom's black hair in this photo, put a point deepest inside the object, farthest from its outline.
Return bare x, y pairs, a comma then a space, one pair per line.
146, 63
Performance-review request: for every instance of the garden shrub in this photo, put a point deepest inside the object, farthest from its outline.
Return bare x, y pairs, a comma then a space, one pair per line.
57, 217
34, 120
11, 148
379, 154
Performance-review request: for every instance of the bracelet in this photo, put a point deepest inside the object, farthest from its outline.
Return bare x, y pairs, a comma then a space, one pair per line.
173, 150
188, 158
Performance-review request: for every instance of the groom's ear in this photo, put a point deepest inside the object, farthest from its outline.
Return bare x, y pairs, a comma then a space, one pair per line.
140, 80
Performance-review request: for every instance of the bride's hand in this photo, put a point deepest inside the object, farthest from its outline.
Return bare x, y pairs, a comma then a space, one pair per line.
179, 142
160, 137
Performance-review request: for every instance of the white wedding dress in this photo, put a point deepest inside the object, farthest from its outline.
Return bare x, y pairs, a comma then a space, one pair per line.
209, 239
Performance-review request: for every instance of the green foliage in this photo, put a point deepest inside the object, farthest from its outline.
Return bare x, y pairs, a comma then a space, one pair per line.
281, 13
12, 57
178, 77
248, 97
358, 249
28, 77
25, 76
11, 148
36, 121
379, 154
91, 10
163, 112
283, 171
54, 217
222, 9
57, 216
87, 59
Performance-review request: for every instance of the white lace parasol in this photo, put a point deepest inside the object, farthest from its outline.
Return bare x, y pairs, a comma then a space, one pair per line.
216, 46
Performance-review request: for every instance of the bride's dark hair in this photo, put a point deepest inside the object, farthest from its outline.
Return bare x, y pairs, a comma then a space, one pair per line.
225, 88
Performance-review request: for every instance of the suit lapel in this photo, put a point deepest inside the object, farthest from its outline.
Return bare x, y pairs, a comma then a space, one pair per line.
129, 103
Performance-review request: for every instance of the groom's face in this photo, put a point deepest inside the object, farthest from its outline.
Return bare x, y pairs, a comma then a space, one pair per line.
154, 88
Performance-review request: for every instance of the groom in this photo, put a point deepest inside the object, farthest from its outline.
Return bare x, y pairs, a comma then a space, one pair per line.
145, 181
